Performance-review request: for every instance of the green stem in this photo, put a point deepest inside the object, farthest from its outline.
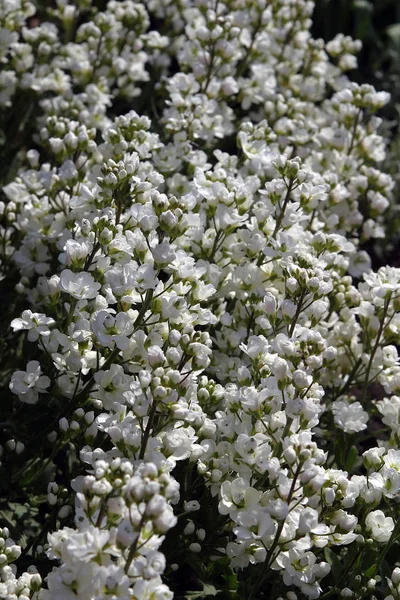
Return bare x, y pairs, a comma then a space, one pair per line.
353, 133
264, 572
41, 470
149, 425
133, 548
375, 348
282, 212
350, 378
70, 315
298, 310
144, 308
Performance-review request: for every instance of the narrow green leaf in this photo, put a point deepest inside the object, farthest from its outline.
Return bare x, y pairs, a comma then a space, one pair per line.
336, 566
370, 572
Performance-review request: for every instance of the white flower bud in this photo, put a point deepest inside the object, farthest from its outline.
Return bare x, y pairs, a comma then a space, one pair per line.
89, 417
155, 356
33, 158
301, 379
189, 529
269, 304
51, 499
308, 521
56, 145
173, 356
288, 309
52, 436
330, 353
280, 368
395, 577
63, 424
290, 455
330, 495
292, 284
64, 511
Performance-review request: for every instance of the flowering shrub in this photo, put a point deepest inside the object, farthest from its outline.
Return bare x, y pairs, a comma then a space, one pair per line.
202, 373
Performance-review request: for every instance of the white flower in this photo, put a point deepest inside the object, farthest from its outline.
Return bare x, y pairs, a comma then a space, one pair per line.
76, 251
391, 477
350, 417
163, 254
370, 488
79, 285
155, 564
373, 458
113, 384
154, 588
89, 544
202, 294
392, 459
30, 383
179, 442
37, 324
381, 527
308, 521
237, 494
280, 368
109, 329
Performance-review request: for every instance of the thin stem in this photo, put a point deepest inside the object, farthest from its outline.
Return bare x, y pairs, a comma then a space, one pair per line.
375, 348
281, 215
298, 310
350, 378
144, 308
264, 572
354, 131
44, 466
147, 431
133, 548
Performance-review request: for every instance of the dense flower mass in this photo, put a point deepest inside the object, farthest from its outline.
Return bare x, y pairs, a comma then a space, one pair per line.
205, 337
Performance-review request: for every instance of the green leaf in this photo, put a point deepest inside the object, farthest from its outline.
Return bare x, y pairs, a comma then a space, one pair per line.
5, 522
370, 572
222, 573
393, 33
336, 566
364, 29
351, 459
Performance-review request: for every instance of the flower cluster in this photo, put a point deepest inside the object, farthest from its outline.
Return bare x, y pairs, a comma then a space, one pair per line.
11, 586
204, 329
